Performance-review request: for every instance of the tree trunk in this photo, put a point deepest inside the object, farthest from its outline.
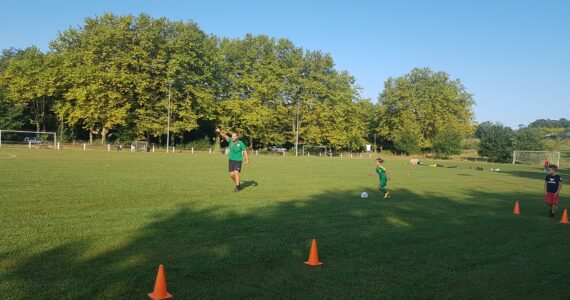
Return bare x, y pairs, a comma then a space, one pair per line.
90, 136
217, 144
103, 135
61, 128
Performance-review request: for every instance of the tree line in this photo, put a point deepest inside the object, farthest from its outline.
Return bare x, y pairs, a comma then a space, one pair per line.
498, 141
113, 78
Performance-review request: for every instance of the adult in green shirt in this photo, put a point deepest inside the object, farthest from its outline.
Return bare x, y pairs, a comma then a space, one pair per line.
237, 155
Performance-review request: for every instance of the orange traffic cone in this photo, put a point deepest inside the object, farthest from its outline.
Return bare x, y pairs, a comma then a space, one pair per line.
160, 286
314, 255
565, 217
517, 209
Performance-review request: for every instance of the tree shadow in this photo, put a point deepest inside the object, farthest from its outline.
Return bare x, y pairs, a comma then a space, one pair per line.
412, 246
536, 175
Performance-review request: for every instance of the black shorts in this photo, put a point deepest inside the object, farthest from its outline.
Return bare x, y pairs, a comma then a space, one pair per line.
235, 165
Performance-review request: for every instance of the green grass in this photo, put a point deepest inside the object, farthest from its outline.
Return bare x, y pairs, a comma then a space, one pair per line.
96, 225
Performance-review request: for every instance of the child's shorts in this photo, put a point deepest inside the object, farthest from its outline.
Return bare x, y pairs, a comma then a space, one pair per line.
551, 199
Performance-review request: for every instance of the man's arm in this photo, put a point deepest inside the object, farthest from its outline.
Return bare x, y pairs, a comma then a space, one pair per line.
223, 134
246, 157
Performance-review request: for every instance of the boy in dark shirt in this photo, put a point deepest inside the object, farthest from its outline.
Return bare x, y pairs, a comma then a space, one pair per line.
552, 188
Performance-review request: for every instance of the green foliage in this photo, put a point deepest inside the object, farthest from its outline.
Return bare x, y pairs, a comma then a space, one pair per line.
203, 144
426, 102
272, 88
29, 83
496, 142
529, 139
113, 77
542, 123
469, 144
407, 141
447, 142
11, 116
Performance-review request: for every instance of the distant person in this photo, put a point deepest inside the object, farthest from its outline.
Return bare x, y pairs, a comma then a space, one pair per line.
546, 164
382, 176
237, 154
552, 188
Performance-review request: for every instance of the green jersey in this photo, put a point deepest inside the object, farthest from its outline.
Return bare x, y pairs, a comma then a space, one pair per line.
382, 174
236, 150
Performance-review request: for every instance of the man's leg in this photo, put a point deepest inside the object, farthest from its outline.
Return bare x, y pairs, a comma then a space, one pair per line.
237, 180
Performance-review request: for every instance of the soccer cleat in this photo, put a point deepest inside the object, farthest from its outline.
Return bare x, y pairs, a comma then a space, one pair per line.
387, 195
551, 214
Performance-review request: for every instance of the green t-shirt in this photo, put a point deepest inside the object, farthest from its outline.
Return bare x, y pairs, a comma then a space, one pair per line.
381, 173
236, 150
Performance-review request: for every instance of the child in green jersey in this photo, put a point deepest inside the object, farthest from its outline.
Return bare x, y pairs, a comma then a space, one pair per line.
383, 176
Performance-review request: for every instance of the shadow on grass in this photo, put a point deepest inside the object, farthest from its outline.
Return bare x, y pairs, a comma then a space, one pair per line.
249, 183
537, 175
411, 246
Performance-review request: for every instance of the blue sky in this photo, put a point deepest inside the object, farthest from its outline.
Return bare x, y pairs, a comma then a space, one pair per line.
514, 56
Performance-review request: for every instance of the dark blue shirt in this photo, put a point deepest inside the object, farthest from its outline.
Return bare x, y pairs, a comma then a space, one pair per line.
552, 183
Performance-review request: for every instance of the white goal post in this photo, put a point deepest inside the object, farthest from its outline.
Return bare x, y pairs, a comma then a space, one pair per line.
27, 140
307, 149
536, 157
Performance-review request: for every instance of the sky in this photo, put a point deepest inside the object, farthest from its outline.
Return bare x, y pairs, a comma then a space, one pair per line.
513, 56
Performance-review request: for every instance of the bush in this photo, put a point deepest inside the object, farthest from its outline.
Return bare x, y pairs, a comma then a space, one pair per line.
201, 144
469, 144
496, 142
407, 142
447, 142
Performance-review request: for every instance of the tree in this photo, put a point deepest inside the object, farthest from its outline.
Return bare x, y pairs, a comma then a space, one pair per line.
97, 72
529, 139
29, 84
542, 123
112, 77
426, 101
11, 116
447, 142
407, 141
496, 142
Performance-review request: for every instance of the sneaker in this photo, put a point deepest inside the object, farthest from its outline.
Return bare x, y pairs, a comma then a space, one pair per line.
387, 195
551, 214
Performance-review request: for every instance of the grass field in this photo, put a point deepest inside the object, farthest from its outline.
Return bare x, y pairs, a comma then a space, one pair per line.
96, 225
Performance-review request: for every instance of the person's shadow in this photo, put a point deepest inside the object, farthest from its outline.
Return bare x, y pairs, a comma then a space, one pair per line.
246, 184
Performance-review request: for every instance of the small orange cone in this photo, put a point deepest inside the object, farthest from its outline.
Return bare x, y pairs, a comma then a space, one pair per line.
314, 255
565, 217
517, 209
160, 286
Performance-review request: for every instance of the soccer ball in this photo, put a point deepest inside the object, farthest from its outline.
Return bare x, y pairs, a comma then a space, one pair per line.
364, 195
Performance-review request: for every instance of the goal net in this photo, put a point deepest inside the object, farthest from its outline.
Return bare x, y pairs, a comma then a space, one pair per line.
536, 157
310, 150
139, 146
28, 139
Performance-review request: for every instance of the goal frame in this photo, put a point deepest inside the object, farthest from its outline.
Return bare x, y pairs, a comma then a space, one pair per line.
328, 150
557, 153
31, 132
